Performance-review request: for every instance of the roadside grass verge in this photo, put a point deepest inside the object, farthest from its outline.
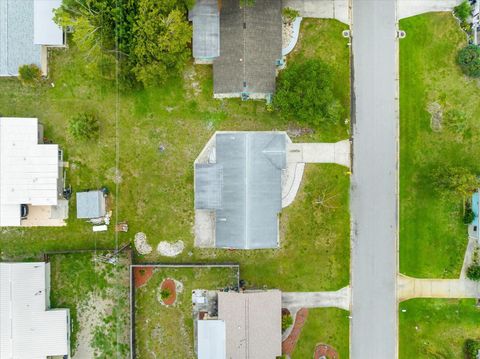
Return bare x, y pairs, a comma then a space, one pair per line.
432, 237
437, 328
97, 294
168, 331
324, 326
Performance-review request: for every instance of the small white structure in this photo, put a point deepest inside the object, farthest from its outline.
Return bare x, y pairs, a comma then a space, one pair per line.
28, 329
211, 339
30, 174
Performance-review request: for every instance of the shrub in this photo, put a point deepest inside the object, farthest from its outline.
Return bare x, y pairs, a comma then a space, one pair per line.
305, 93
456, 121
287, 321
469, 216
462, 11
469, 60
473, 272
165, 293
84, 127
289, 14
471, 348
29, 75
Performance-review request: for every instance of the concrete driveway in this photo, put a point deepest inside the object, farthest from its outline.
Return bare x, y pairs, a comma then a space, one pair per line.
338, 299
328, 9
407, 8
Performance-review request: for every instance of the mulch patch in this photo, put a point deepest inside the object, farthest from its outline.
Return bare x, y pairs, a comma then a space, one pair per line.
169, 284
141, 275
324, 350
288, 344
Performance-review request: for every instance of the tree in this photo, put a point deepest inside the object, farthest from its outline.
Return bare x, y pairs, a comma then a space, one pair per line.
463, 11
161, 41
84, 127
469, 60
305, 92
471, 348
456, 180
29, 75
468, 216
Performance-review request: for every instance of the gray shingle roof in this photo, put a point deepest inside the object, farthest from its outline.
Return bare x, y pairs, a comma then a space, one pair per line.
248, 197
16, 36
206, 29
250, 45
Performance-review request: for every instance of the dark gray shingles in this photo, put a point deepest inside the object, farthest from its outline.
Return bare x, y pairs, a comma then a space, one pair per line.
248, 53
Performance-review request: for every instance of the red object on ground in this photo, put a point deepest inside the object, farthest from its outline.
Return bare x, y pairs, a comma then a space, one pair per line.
169, 284
326, 351
141, 275
288, 344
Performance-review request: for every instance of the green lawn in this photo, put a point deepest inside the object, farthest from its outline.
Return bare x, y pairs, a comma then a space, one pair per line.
86, 286
437, 328
168, 331
324, 326
432, 236
155, 193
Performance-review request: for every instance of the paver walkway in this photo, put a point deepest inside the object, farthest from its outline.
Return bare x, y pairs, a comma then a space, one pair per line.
339, 299
288, 345
408, 288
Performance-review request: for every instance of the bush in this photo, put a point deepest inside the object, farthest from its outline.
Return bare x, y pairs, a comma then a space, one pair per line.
289, 14
287, 321
305, 93
84, 127
471, 348
473, 272
469, 60
456, 121
469, 216
463, 11
165, 294
29, 75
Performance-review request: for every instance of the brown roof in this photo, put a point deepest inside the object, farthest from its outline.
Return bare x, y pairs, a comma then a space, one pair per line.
253, 323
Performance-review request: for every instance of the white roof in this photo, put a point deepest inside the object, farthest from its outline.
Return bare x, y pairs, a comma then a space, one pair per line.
253, 322
211, 339
27, 329
45, 31
29, 171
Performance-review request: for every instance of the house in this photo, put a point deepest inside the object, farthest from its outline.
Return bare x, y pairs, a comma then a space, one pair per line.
249, 325
27, 30
249, 37
238, 190
205, 17
91, 204
31, 176
28, 328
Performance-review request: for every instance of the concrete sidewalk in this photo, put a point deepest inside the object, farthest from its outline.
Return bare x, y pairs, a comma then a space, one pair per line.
338, 153
295, 300
407, 8
408, 288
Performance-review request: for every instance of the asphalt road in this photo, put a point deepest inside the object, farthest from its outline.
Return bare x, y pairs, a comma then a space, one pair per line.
374, 181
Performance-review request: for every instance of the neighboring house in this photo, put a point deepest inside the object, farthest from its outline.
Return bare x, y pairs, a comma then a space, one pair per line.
249, 325
250, 41
238, 190
28, 328
205, 17
27, 29
91, 204
31, 176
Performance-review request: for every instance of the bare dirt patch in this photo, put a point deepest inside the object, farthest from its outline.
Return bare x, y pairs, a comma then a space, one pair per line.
170, 286
141, 275
288, 345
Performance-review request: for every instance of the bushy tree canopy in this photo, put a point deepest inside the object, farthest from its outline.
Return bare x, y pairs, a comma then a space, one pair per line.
463, 10
84, 127
469, 60
147, 39
305, 93
456, 180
